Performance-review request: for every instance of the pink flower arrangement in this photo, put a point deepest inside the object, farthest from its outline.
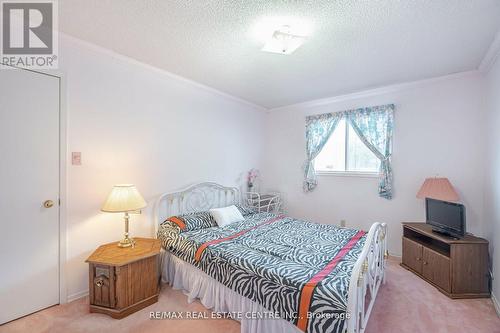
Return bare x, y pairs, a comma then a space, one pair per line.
251, 177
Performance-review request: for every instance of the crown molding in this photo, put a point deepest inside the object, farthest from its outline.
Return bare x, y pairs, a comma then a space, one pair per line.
376, 91
486, 64
491, 56
132, 61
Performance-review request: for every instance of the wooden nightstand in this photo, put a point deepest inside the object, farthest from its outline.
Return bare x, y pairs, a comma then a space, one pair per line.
124, 280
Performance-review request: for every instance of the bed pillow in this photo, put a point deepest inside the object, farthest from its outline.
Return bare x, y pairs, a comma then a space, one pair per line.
226, 215
245, 210
193, 221
168, 233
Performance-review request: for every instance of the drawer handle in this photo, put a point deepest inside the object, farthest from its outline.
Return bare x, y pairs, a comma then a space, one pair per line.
99, 283
418, 259
425, 262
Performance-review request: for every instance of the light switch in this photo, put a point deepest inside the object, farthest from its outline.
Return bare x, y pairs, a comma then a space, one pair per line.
76, 158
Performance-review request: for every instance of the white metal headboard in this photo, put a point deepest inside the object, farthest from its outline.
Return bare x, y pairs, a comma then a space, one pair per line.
195, 198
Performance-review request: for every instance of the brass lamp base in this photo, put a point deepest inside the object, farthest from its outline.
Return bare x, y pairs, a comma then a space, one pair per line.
126, 242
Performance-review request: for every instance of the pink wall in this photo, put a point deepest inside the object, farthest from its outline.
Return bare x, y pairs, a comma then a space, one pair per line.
136, 124
492, 175
439, 129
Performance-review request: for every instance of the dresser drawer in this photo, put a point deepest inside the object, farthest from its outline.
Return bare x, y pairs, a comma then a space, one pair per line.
102, 285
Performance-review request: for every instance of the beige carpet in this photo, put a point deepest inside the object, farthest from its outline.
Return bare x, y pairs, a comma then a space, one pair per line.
404, 304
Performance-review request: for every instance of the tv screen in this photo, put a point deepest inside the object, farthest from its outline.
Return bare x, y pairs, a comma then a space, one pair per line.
446, 217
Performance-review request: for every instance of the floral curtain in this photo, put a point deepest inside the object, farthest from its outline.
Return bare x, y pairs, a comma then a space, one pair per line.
318, 130
373, 125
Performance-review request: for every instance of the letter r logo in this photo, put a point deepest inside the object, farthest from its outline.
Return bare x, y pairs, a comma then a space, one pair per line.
27, 28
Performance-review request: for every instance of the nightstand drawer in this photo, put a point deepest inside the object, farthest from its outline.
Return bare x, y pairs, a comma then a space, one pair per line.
102, 286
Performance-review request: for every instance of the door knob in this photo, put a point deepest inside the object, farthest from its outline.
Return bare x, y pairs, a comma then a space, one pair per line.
48, 203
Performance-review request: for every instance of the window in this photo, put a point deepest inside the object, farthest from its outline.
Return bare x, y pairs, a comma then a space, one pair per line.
344, 152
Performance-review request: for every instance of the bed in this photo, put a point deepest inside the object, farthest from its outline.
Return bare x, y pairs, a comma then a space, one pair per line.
271, 272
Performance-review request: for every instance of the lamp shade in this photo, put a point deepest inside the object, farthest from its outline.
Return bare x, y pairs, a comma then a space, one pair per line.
123, 198
438, 188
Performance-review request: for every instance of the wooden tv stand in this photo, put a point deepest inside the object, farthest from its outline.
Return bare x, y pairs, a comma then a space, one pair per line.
456, 267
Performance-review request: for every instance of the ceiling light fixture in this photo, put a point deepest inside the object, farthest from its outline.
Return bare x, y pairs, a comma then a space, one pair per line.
283, 42
281, 34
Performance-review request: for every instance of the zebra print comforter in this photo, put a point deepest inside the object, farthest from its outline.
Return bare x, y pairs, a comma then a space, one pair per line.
297, 269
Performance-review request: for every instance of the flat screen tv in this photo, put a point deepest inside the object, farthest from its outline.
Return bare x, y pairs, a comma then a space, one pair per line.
445, 217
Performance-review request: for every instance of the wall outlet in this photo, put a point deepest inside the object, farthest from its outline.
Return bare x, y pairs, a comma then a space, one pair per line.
342, 223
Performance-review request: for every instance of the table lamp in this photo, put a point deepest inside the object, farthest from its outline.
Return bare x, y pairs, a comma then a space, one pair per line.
438, 188
124, 198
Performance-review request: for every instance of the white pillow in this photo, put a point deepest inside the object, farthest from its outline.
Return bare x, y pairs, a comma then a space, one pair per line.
226, 215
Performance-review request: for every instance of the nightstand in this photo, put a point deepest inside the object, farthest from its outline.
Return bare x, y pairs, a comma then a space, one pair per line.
124, 280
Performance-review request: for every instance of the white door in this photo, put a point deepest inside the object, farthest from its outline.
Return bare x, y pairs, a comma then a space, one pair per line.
29, 176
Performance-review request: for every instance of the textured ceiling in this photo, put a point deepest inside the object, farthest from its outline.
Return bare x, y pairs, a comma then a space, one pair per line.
354, 45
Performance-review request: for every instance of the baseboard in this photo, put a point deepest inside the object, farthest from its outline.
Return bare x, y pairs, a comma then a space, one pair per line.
395, 256
496, 304
78, 295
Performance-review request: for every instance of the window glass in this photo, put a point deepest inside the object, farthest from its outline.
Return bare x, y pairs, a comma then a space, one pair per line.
345, 152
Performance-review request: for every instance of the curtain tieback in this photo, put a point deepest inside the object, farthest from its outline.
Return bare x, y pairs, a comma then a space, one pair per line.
385, 159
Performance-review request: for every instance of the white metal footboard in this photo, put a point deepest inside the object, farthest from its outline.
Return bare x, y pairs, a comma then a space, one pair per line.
367, 276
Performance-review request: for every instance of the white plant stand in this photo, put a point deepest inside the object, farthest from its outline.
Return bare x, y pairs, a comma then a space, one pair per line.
264, 202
